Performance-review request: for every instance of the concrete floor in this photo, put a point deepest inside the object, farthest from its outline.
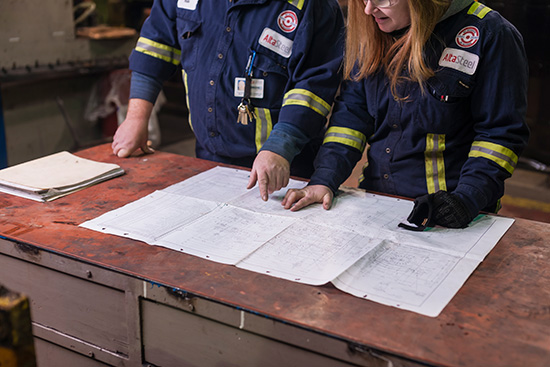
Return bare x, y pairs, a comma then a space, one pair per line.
527, 192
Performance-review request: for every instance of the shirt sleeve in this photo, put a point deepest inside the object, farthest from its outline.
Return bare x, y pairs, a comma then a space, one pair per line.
499, 103
157, 52
346, 137
314, 71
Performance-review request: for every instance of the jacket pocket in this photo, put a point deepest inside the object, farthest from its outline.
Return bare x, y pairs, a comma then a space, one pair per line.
275, 77
446, 107
450, 87
187, 36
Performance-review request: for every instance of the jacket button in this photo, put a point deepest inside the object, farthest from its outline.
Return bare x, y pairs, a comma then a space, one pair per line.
212, 133
211, 82
386, 176
210, 109
388, 150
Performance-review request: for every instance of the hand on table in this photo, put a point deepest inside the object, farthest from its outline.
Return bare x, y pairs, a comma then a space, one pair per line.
132, 134
296, 199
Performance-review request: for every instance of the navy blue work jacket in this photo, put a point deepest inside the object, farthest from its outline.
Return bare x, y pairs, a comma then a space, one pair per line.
296, 50
463, 135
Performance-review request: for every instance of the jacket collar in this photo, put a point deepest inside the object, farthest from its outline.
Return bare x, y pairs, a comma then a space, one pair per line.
455, 7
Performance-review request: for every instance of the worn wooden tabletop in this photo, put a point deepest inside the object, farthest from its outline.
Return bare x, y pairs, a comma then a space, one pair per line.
500, 317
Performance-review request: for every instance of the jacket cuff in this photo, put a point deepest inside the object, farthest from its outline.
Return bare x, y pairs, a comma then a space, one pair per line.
145, 87
473, 198
285, 139
324, 176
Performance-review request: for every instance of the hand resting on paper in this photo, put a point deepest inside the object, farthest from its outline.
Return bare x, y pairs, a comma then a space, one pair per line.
442, 208
296, 199
271, 171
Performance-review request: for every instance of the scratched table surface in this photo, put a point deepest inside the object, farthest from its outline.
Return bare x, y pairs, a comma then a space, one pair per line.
501, 316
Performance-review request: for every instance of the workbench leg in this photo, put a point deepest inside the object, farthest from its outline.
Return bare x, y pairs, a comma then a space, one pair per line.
16, 340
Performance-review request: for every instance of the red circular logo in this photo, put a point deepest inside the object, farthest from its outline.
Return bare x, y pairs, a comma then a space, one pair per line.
467, 37
288, 21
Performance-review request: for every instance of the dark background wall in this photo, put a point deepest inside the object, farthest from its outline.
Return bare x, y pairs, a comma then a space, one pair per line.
532, 18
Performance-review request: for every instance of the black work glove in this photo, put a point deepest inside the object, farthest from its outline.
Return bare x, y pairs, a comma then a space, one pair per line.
450, 211
442, 208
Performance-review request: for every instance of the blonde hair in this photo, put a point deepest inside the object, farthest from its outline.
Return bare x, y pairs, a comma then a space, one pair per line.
372, 50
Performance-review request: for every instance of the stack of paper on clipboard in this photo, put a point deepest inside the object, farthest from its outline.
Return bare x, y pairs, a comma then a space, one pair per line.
54, 176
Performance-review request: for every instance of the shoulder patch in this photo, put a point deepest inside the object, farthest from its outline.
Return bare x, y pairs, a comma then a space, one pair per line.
479, 10
467, 37
287, 21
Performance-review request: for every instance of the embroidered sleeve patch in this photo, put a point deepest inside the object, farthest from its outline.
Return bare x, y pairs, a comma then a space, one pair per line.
287, 21
459, 60
467, 37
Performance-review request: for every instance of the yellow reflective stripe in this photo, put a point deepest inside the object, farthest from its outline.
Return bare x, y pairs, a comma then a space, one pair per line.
264, 125
297, 3
349, 137
435, 163
187, 98
362, 175
307, 99
479, 10
158, 50
499, 154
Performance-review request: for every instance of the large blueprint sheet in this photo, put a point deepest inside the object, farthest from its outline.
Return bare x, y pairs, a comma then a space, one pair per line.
357, 244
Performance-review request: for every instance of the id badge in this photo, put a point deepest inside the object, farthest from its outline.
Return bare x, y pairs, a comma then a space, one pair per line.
257, 90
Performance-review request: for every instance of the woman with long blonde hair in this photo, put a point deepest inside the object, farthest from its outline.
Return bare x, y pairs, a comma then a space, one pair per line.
437, 91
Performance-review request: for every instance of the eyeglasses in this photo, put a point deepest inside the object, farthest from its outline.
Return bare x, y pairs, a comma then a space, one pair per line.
381, 3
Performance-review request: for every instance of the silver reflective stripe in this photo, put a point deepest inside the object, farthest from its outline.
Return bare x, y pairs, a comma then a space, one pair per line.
346, 136
160, 51
435, 163
263, 131
495, 154
297, 3
478, 10
343, 137
264, 125
308, 101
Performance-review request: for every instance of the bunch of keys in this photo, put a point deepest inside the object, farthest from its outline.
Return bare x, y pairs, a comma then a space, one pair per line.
245, 108
244, 113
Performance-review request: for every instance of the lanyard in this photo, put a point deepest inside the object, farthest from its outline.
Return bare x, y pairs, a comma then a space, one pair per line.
249, 74
246, 108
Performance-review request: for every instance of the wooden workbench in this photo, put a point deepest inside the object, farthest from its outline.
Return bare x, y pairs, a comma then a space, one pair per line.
99, 300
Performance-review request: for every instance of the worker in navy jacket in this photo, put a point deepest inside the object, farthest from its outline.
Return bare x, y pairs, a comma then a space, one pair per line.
439, 104
260, 77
